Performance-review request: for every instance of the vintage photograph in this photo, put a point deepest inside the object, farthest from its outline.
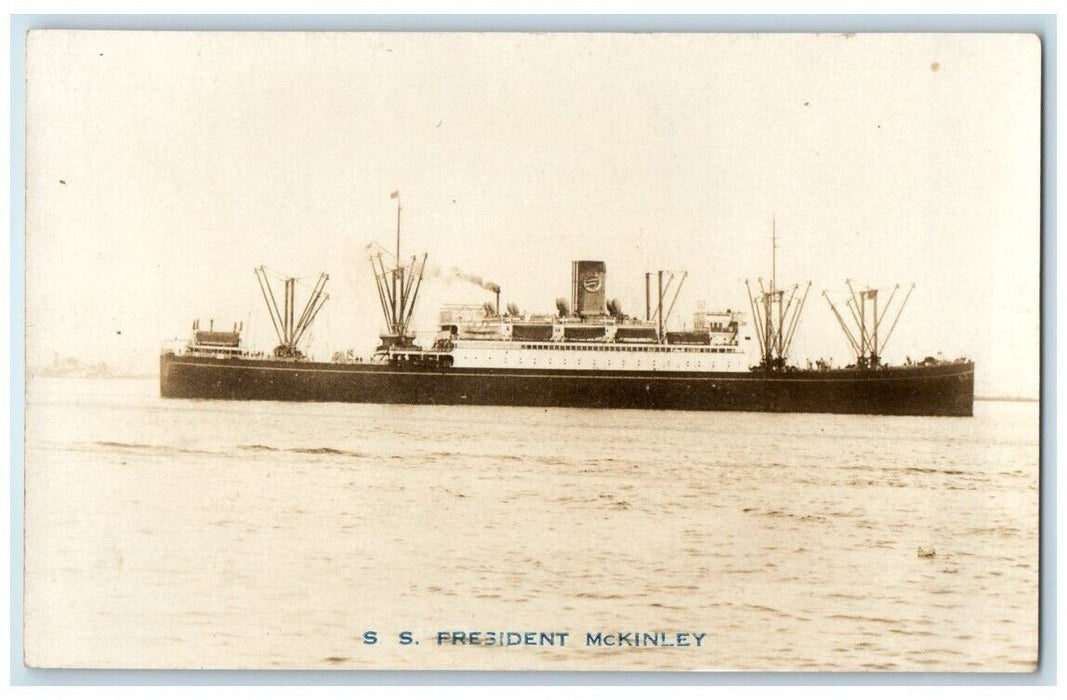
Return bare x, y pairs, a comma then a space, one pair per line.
532, 351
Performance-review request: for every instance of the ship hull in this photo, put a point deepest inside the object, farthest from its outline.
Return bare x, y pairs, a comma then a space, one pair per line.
939, 390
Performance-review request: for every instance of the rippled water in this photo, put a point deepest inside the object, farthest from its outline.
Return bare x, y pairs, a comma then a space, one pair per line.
173, 533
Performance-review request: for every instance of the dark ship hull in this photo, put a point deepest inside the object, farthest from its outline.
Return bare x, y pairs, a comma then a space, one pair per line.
936, 390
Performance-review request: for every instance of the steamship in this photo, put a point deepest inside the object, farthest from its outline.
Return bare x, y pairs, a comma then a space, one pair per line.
588, 353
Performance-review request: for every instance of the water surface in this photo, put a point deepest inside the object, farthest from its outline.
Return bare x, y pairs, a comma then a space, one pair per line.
168, 533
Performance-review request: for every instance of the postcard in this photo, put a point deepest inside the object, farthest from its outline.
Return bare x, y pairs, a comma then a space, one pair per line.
532, 351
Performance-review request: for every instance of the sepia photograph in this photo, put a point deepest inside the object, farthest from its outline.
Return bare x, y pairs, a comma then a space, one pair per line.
532, 351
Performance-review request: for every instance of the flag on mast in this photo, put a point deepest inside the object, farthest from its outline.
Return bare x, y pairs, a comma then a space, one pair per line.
395, 194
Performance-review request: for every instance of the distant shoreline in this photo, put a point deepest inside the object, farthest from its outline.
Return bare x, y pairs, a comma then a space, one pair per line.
1006, 398
37, 374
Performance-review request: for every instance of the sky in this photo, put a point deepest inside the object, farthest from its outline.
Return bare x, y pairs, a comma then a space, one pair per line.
163, 167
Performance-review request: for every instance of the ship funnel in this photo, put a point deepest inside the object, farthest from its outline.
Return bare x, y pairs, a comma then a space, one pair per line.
588, 293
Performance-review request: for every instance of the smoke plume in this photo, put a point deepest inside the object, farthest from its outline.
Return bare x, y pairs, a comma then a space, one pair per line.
454, 273
447, 276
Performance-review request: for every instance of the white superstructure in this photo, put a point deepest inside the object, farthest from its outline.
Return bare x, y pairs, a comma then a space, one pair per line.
597, 356
590, 333
478, 337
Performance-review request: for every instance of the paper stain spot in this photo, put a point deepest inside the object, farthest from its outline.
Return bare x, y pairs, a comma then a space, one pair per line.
935, 66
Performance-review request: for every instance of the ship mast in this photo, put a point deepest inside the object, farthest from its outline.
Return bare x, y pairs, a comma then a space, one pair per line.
398, 288
863, 334
780, 315
774, 294
396, 271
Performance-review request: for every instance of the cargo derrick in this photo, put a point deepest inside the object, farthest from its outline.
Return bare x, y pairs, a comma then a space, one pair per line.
863, 336
663, 290
290, 330
398, 289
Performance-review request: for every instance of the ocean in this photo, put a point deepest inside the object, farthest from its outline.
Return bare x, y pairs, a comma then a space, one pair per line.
166, 533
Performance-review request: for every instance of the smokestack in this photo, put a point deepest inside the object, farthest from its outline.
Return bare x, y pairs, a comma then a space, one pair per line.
588, 287
498, 301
